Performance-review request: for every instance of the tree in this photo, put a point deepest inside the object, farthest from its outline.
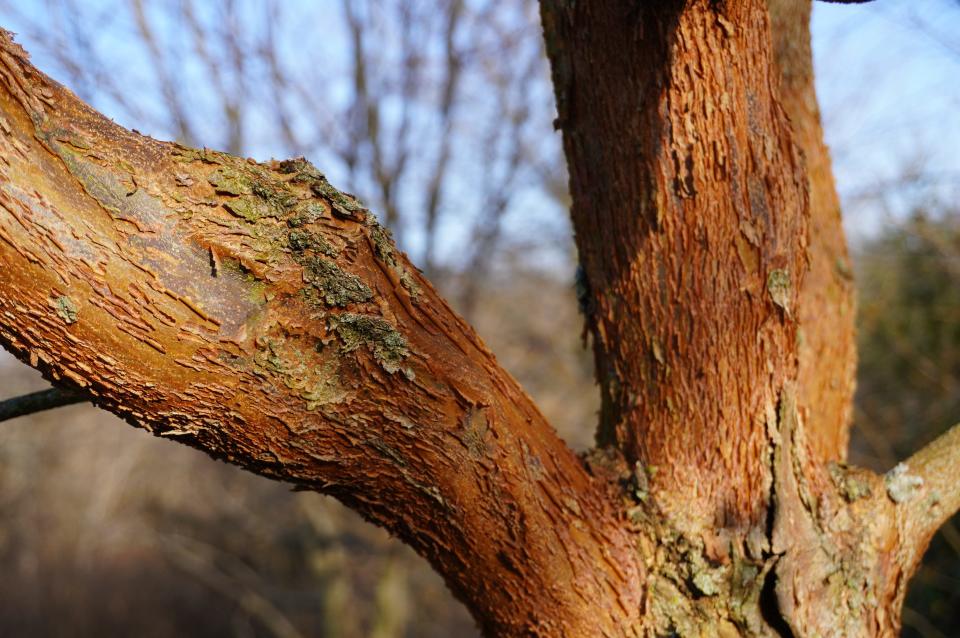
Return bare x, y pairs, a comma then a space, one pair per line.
258, 313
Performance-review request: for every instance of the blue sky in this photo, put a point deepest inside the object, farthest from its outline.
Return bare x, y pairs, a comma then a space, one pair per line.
887, 75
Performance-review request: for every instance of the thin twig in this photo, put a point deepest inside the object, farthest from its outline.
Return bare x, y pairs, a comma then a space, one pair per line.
38, 402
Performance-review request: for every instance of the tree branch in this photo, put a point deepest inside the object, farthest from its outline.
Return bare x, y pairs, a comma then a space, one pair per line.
257, 313
926, 488
38, 402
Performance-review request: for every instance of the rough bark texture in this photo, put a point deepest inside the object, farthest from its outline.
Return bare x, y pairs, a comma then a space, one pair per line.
257, 313
716, 289
826, 309
690, 209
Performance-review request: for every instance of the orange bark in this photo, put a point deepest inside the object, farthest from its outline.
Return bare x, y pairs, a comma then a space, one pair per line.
254, 312
691, 212
827, 303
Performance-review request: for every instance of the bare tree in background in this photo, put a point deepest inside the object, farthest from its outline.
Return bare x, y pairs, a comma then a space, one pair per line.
436, 113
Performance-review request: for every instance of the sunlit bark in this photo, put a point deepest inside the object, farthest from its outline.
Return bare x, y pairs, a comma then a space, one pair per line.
254, 311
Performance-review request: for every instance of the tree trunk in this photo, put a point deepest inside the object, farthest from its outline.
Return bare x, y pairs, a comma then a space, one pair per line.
826, 345
717, 293
257, 313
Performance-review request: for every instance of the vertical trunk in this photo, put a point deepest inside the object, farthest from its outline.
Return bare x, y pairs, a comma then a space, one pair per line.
691, 214
714, 280
826, 307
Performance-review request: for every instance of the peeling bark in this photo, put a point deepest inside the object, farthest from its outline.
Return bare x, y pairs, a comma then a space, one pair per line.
259, 314
717, 292
827, 302
691, 213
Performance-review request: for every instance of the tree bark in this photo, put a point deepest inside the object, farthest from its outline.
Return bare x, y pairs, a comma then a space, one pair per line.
690, 208
259, 314
255, 312
717, 292
826, 313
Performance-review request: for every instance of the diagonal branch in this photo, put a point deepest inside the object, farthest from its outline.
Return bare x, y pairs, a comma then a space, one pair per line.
926, 488
259, 314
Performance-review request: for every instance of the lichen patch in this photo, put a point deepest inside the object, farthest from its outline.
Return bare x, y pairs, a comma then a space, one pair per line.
388, 346
66, 309
901, 485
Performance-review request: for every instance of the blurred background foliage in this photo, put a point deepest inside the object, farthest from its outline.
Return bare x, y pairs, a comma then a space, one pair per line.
908, 385
438, 114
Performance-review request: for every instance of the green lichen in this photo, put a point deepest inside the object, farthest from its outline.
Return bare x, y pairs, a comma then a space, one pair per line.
257, 195
410, 285
303, 171
778, 285
310, 213
274, 193
343, 204
336, 286
68, 137
385, 249
66, 309
247, 209
270, 359
230, 181
382, 240
185, 154
640, 480
851, 486
303, 240
324, 389
300, 240
388, 346
707, 582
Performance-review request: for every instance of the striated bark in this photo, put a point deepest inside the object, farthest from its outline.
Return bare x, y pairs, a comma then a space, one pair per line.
826, 308
690, 209
715, 287
257, 313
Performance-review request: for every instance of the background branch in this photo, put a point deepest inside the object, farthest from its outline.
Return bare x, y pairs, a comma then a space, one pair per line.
38, 402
